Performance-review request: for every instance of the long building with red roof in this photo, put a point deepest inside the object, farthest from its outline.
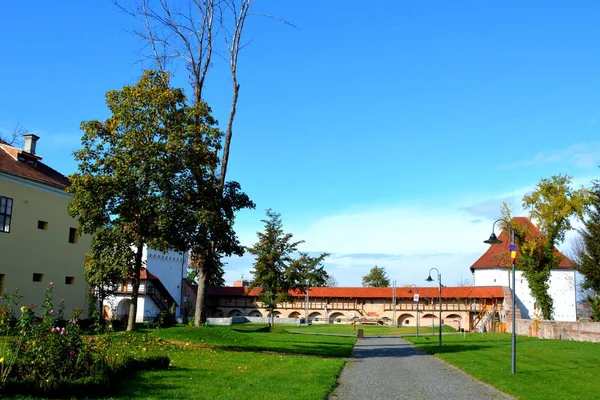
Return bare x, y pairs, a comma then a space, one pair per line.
466, 307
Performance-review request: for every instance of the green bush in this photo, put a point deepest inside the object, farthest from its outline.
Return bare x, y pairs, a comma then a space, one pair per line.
49, 356
165, 319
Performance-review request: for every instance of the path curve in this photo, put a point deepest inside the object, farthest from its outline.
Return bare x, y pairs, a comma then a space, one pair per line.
386, 368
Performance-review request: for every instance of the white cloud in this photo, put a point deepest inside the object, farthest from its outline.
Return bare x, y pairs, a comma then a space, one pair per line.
581, 155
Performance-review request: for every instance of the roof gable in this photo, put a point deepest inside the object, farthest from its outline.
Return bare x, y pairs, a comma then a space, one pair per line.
497, 255
39, 172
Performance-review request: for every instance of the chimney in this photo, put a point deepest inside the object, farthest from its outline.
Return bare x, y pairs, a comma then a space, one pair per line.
30, 142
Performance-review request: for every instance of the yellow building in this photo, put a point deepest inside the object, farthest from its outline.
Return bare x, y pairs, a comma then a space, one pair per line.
39, 244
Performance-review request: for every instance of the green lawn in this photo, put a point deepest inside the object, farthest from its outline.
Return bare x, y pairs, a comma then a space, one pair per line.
546, 369
239, 362
258, 338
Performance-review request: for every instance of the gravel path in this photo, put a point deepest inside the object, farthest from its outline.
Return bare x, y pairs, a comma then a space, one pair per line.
385, 368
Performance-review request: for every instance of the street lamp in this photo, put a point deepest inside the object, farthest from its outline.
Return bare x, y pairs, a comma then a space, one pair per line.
417, 297
307, 301
513, 252
439, 278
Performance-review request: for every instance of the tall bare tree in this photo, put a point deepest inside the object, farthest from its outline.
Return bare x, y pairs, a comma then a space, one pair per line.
14, 138
191, 32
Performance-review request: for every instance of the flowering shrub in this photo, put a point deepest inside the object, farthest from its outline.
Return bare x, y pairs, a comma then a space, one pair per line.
47, 354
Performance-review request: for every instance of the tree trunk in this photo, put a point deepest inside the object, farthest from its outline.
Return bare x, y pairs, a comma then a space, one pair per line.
200, 315
135, 287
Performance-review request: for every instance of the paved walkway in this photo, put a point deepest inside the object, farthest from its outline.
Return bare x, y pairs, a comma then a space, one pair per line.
386, 368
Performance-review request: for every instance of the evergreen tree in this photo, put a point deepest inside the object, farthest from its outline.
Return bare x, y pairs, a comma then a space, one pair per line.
277, 270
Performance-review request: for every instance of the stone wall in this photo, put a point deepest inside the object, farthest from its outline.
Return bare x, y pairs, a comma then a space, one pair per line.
578, 331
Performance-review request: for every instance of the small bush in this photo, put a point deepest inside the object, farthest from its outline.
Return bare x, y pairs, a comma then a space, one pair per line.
165, 319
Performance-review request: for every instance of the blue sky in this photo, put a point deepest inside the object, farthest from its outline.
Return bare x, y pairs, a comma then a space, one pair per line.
385, 134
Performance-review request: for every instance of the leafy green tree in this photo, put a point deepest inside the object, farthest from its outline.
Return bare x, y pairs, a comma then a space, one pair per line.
587, 252
106, 263
377, 277
276, 270
552, 205
187, 34
588, 257
131, 179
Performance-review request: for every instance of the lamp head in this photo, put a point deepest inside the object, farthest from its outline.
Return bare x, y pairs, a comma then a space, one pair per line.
493, 239
429, 279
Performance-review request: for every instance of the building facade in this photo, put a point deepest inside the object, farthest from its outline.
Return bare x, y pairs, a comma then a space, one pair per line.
494, 268
467, 307
153, 297
39, 243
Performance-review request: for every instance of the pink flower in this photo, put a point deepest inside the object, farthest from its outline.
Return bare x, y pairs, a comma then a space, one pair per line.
51, 283
110, 326
74, 321
62, 331
26, 347
52, 330
62, 300
107, 357
90, 340
72, 353
52, 312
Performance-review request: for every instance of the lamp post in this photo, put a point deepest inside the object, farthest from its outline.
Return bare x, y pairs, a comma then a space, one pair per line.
394, 322
307, 301
417, 297
439, 278
513, 250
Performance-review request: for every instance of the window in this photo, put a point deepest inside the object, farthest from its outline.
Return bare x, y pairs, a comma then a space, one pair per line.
43, 225
1, 283
72, 235
69, 280
5, 213
38, 277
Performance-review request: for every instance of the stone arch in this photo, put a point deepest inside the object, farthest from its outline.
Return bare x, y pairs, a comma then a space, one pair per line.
218, 313
235, 313
406, 319
336, 318
123, 310
255, 313
453, 320
428, 316
314, 314
294, 314
276, 313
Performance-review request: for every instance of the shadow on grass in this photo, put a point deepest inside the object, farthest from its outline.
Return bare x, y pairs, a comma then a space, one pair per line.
299, 349
140, 385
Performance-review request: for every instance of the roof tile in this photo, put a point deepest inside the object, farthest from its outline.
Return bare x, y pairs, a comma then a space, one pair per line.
497, 255
463, 292
40, 172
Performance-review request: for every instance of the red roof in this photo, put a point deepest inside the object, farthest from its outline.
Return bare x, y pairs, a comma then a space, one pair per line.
497, 255
463, 292
40, 172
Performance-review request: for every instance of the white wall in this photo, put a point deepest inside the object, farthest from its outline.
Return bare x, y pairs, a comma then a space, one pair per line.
562, 290
170, 268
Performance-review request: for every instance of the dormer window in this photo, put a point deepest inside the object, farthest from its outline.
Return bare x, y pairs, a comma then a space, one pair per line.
27, 158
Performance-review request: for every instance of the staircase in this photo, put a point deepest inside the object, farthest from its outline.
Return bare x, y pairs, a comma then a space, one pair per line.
508, 305
158, 299
486, 318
